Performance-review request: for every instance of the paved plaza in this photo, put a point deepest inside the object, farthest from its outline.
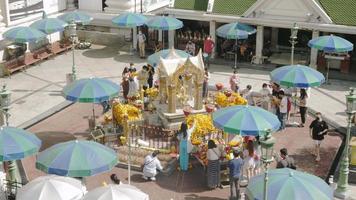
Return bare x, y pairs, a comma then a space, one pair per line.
36, 93
38, 89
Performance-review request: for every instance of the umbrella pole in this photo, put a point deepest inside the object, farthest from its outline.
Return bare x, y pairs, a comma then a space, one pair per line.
94, 115
327, 72
265, 195
235, 66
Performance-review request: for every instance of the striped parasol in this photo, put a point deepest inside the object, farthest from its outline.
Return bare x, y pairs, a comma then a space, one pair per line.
24, 34
164, 23
331, 44
130, 20
16, 144
297, 76
245, 120
76, 159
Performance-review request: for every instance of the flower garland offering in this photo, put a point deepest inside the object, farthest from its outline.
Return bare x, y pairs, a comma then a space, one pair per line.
152, 92
203, 126
119, 111
229, 99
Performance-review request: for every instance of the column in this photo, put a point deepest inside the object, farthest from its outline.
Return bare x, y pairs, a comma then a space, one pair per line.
314, 52
274, 38
198, 99
71, 5
160, 35
172, 98
171, 35
212, 33
259, 45
162, 89
2, 24
134, 38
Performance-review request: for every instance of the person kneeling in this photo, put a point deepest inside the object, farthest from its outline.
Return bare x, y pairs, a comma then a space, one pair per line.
151, 165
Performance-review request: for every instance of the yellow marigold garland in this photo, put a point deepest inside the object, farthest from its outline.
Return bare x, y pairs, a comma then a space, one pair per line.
235, 99
203, 125
119, 111
152, 92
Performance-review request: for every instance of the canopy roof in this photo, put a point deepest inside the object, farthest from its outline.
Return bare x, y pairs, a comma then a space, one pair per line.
174, 62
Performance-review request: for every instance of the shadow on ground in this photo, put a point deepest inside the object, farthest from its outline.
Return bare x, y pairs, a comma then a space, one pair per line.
196, 197
106, 52
50, 138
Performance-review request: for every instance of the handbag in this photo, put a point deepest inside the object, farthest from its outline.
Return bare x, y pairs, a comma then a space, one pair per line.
144, 164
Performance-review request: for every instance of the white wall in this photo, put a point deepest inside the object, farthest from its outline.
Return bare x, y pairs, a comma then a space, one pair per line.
94, 5
52, 6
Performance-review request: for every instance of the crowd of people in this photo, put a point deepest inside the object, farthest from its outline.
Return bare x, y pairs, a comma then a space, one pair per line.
246, 162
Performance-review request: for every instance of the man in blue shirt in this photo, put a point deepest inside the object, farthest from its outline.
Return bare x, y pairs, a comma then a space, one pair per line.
235, 166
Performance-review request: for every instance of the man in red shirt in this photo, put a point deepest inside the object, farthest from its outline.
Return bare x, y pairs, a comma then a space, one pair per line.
208, 49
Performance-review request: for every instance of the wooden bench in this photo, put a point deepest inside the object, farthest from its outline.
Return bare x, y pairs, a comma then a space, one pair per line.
57, 48
42, 53
29, 59
12, 66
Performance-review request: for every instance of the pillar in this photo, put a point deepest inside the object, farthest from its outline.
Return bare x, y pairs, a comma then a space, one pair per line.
259, 45
314, 52
198, 99
212, 33
134, 38
2, 24
172, 98
162, 89
274, 38
160, 35
171, 35
71, 5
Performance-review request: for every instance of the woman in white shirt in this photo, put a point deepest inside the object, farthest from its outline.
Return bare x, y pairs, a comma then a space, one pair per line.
133, 87
213, 169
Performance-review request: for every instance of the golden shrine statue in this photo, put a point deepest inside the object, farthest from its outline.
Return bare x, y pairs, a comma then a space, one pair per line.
181, 79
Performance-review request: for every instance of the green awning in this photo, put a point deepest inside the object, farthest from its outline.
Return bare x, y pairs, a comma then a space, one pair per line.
232, 7
199, 5
340, 12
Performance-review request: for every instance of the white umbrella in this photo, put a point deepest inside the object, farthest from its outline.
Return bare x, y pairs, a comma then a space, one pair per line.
52, 187
116, 192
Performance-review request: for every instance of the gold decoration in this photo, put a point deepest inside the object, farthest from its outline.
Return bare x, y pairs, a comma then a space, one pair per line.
231, 100
203, 126
119, 111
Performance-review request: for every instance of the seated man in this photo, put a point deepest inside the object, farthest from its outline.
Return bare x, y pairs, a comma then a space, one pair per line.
284, 161
151, 165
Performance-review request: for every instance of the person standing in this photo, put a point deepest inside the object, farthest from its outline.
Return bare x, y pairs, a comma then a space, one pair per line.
303, 106
266, 94
234, 81
248, 95
183, 147
151, 73
318, 129
125, 82
133, 87
283, 109
213, 169
284, 161
206, 83
250, 159
151, 165
208, 49
235, 167
141, 38
190, 48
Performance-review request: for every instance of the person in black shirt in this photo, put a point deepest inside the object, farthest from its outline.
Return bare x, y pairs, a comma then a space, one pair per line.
318, 129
